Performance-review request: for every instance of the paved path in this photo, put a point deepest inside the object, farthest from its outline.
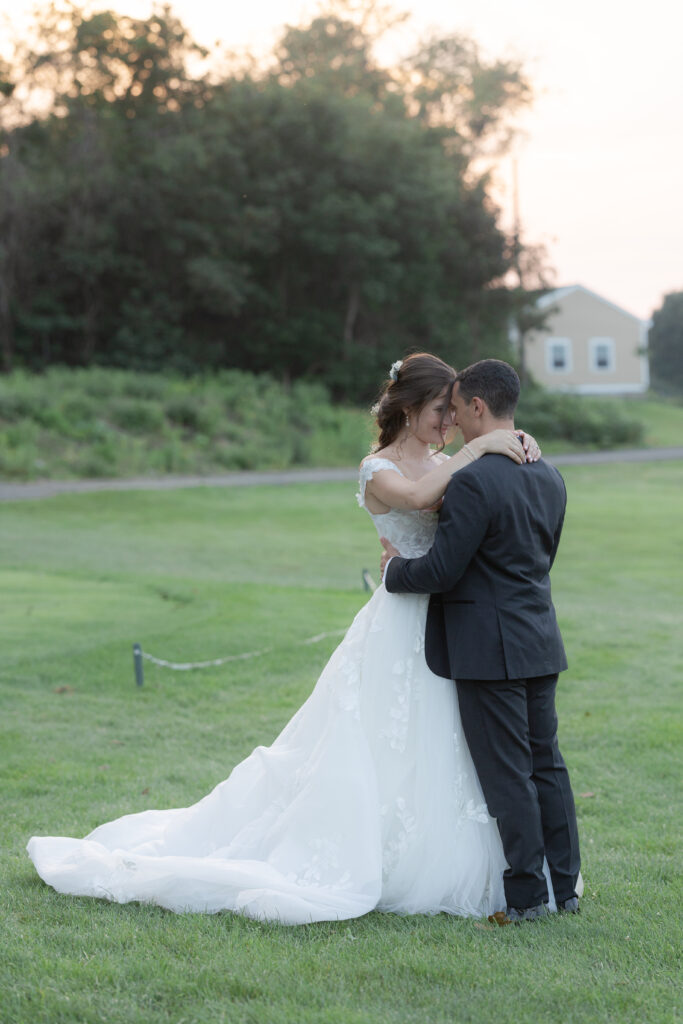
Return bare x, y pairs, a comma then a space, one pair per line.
250, 478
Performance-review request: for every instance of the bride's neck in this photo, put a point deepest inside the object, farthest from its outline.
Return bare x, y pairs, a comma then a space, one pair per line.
410, 447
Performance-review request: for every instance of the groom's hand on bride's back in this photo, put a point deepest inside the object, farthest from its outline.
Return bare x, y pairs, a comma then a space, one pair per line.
389, 552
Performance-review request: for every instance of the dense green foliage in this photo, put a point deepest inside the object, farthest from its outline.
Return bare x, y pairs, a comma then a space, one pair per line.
666, 345
204, 573
314, 218
551, 416
101, 422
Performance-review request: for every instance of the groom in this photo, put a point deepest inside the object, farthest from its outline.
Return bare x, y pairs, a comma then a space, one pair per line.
491, 626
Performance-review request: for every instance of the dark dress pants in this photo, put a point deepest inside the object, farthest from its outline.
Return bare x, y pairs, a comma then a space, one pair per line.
511, 729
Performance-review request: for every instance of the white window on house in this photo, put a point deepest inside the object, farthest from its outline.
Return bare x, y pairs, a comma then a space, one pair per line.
601, 355
558, 355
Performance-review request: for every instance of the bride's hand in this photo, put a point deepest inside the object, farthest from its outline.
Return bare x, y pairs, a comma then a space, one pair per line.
530, 446
502, 442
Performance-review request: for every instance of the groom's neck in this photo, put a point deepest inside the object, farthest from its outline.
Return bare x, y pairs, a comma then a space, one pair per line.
489, 423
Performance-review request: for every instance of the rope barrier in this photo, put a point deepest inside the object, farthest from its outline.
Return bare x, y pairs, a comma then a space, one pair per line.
187, 666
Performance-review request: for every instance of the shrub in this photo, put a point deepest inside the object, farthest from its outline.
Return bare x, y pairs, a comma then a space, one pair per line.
18, 405
23, 432
99, 383
599, 423
99, 461
144, 385
136, 416
79, 408
194, 413
19, 463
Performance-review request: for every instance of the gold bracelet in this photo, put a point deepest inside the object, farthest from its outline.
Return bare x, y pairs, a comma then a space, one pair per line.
469, 453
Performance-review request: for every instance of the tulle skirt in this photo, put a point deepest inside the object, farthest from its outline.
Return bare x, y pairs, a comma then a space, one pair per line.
368, 799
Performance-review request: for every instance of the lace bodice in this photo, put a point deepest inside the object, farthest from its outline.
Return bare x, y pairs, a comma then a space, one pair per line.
412, 532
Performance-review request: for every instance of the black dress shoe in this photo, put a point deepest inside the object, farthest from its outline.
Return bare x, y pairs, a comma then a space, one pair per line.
570, 906
518, 914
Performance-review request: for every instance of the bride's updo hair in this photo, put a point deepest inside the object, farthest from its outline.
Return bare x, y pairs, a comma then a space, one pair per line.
419, 379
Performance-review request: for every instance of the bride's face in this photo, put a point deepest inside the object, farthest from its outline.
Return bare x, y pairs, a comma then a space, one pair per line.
434, 422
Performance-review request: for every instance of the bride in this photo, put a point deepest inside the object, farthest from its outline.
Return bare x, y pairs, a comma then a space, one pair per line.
368, 799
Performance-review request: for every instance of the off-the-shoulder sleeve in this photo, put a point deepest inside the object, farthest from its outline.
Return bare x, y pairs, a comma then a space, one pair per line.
368, 470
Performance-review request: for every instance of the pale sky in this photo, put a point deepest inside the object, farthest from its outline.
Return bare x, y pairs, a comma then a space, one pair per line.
601, 164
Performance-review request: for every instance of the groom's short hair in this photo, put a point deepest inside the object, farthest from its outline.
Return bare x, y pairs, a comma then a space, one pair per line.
493, 381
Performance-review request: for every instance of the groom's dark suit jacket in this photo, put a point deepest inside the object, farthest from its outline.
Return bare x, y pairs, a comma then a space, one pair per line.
491, 615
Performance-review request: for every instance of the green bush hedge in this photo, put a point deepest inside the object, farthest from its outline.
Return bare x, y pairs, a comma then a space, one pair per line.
99, 423
80, 423
584, 422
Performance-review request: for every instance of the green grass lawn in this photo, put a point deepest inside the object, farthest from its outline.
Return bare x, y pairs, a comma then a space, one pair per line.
663, 420
198, 574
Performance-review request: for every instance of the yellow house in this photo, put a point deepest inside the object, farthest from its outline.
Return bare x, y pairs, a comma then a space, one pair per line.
589, 346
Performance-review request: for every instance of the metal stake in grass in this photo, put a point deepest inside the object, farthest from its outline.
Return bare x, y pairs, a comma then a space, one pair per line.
368, 582
137, 663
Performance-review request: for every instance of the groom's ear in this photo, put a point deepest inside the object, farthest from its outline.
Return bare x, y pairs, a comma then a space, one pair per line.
478, 406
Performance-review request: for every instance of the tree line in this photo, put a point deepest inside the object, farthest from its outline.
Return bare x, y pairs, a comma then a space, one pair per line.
666, 346
315, 216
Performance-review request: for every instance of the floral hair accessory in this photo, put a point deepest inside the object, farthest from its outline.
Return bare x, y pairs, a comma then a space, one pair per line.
395, 367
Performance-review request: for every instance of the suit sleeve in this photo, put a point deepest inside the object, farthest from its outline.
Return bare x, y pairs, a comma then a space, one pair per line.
463, 523
558, 530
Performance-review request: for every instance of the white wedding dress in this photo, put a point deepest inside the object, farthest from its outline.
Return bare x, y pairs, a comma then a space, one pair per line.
368, 799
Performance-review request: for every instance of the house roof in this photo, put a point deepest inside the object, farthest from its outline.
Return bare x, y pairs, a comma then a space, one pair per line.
550, 298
